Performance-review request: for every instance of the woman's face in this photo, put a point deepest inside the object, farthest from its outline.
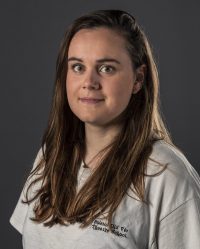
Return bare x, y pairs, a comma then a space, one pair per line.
100, 78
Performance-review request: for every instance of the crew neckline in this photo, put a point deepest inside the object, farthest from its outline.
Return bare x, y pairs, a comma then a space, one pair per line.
84, 167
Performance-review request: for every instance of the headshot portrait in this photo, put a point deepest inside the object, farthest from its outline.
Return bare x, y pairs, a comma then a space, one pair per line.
108, 163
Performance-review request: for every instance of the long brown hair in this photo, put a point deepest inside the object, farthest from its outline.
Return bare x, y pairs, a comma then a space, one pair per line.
63, 144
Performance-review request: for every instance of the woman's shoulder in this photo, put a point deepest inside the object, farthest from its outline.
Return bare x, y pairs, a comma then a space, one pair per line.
176, 184
177, 165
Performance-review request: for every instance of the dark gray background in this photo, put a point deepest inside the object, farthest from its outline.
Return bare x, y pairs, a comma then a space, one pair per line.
30, 35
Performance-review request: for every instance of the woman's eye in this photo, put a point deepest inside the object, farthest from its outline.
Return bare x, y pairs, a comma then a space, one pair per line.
107, 69
77, 67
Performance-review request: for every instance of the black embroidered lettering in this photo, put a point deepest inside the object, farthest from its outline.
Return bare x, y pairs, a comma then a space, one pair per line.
120, 231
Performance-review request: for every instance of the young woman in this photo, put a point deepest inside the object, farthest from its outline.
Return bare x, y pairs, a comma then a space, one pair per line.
107, 174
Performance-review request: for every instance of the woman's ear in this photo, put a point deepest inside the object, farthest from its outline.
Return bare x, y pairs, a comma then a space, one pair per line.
140, 77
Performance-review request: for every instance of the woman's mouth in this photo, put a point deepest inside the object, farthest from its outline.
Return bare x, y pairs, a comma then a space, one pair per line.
90, 100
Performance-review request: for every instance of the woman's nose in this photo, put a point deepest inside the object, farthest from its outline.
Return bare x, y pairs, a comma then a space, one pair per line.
91, 81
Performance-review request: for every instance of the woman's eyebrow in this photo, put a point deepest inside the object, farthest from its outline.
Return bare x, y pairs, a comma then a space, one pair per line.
105, 59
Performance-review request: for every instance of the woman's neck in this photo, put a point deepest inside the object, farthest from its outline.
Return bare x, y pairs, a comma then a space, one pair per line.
97, 138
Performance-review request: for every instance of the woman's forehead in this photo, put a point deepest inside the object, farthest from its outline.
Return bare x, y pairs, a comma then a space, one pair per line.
100, 43
97, 31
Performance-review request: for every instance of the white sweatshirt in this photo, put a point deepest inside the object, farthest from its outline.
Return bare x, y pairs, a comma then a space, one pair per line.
171, 221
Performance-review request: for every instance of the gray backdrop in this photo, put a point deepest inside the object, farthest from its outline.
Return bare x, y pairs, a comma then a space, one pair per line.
30, 35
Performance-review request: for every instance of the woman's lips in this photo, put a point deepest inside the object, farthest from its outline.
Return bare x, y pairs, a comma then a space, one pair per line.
90, 100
